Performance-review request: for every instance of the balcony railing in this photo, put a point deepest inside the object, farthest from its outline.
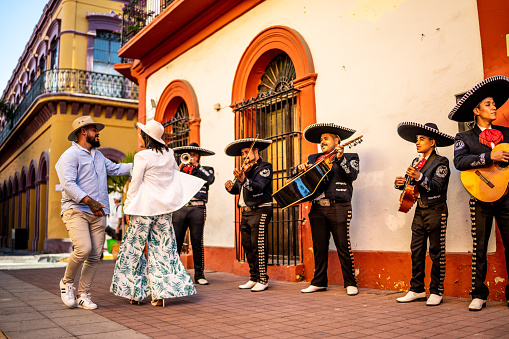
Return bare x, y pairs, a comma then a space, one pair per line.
72, 81
136, 14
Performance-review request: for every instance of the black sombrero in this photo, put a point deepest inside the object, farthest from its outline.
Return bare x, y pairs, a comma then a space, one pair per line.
410, 130
193, 147
496, 87
234, 149
313, 133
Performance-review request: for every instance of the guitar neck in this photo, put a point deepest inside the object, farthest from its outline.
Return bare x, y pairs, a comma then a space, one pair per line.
350, 144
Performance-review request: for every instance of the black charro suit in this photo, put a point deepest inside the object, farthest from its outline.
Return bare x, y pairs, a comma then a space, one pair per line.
334, 219
256, 194
430, 222
193, 216
470, 153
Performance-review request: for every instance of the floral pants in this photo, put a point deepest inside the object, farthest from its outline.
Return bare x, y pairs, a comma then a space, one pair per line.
163, 275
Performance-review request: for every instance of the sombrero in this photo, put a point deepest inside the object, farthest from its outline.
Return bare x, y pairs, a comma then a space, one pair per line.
496, 87
234, 149
193, 147
410, 130
313, 133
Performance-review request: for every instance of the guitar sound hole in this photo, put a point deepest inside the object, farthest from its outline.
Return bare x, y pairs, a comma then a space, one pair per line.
502, 164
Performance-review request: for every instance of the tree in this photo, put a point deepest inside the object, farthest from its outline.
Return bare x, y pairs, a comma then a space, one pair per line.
117, 183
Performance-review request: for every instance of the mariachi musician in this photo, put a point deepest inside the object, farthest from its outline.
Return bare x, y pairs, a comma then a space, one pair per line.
474, 149
331, 211
193, 214
430, 175
253, 184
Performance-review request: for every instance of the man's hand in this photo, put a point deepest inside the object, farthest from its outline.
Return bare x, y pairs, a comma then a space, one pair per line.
399, 181
228, 185
341, 150
127, 218
181, 166
240, 176
303, 167
413, 173
500, 156
95, 206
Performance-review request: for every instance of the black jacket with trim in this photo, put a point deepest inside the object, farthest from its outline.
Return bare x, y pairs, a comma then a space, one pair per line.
344, 171
206, 173
434, 182
257, 188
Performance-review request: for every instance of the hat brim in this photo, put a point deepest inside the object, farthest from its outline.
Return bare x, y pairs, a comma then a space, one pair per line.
313, 133
235, 148
496, 87
144, 129
72, 136
410, 130
186, 149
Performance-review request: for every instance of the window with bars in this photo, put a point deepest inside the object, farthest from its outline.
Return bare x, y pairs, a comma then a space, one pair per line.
176, 130
274, 114
106, 45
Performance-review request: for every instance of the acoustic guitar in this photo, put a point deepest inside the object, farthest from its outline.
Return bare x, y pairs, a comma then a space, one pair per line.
409, 195
489, 183
310, 183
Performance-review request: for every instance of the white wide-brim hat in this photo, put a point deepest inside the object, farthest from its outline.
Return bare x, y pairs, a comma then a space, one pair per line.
82, 122
153, 129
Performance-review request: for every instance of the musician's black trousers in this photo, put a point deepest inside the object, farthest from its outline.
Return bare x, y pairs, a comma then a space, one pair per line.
333, 219
254, 231
429, 223
482, 220
194, 218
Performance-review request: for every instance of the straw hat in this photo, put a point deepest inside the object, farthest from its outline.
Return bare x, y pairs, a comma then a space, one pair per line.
153, 129
82, 122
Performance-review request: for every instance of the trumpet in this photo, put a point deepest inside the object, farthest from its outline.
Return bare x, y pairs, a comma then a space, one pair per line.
185, 158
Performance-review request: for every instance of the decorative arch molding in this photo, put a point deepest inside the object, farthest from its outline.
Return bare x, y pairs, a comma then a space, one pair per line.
24, 178
103, 21
32, 174
43, 168
42, 49
111, 153
53, 30
172, 96
262, 49
17, 183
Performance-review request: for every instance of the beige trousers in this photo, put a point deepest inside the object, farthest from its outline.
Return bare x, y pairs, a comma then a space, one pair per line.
87, 235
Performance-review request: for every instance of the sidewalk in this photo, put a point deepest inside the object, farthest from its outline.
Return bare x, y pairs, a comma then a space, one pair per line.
30, 307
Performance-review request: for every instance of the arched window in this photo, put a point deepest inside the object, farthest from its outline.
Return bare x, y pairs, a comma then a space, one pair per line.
54, 54
42, 64
273, 95
176, 130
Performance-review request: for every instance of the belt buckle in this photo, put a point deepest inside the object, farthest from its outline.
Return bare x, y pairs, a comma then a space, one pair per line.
324, 202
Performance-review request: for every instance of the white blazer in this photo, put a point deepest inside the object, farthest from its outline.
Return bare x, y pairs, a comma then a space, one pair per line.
157, 185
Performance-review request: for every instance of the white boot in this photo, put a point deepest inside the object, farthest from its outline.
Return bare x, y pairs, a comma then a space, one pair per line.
313, 288
260, 287
412, 296
352, 290
434, 300
249, 285
477, 304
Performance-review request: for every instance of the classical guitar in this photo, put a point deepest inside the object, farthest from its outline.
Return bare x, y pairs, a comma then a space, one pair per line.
409, 195
489, 183
310, 183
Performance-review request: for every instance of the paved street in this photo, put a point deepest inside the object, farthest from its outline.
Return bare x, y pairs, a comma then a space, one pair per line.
30, 307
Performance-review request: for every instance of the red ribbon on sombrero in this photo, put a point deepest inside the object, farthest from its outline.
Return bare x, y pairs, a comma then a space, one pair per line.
489, 136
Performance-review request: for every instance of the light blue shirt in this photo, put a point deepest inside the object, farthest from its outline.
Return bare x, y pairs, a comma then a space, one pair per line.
83, 173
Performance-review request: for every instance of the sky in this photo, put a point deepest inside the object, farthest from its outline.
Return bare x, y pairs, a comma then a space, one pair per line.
15, 30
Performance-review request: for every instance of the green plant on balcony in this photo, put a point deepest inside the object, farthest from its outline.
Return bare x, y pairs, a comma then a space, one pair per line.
135, 17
